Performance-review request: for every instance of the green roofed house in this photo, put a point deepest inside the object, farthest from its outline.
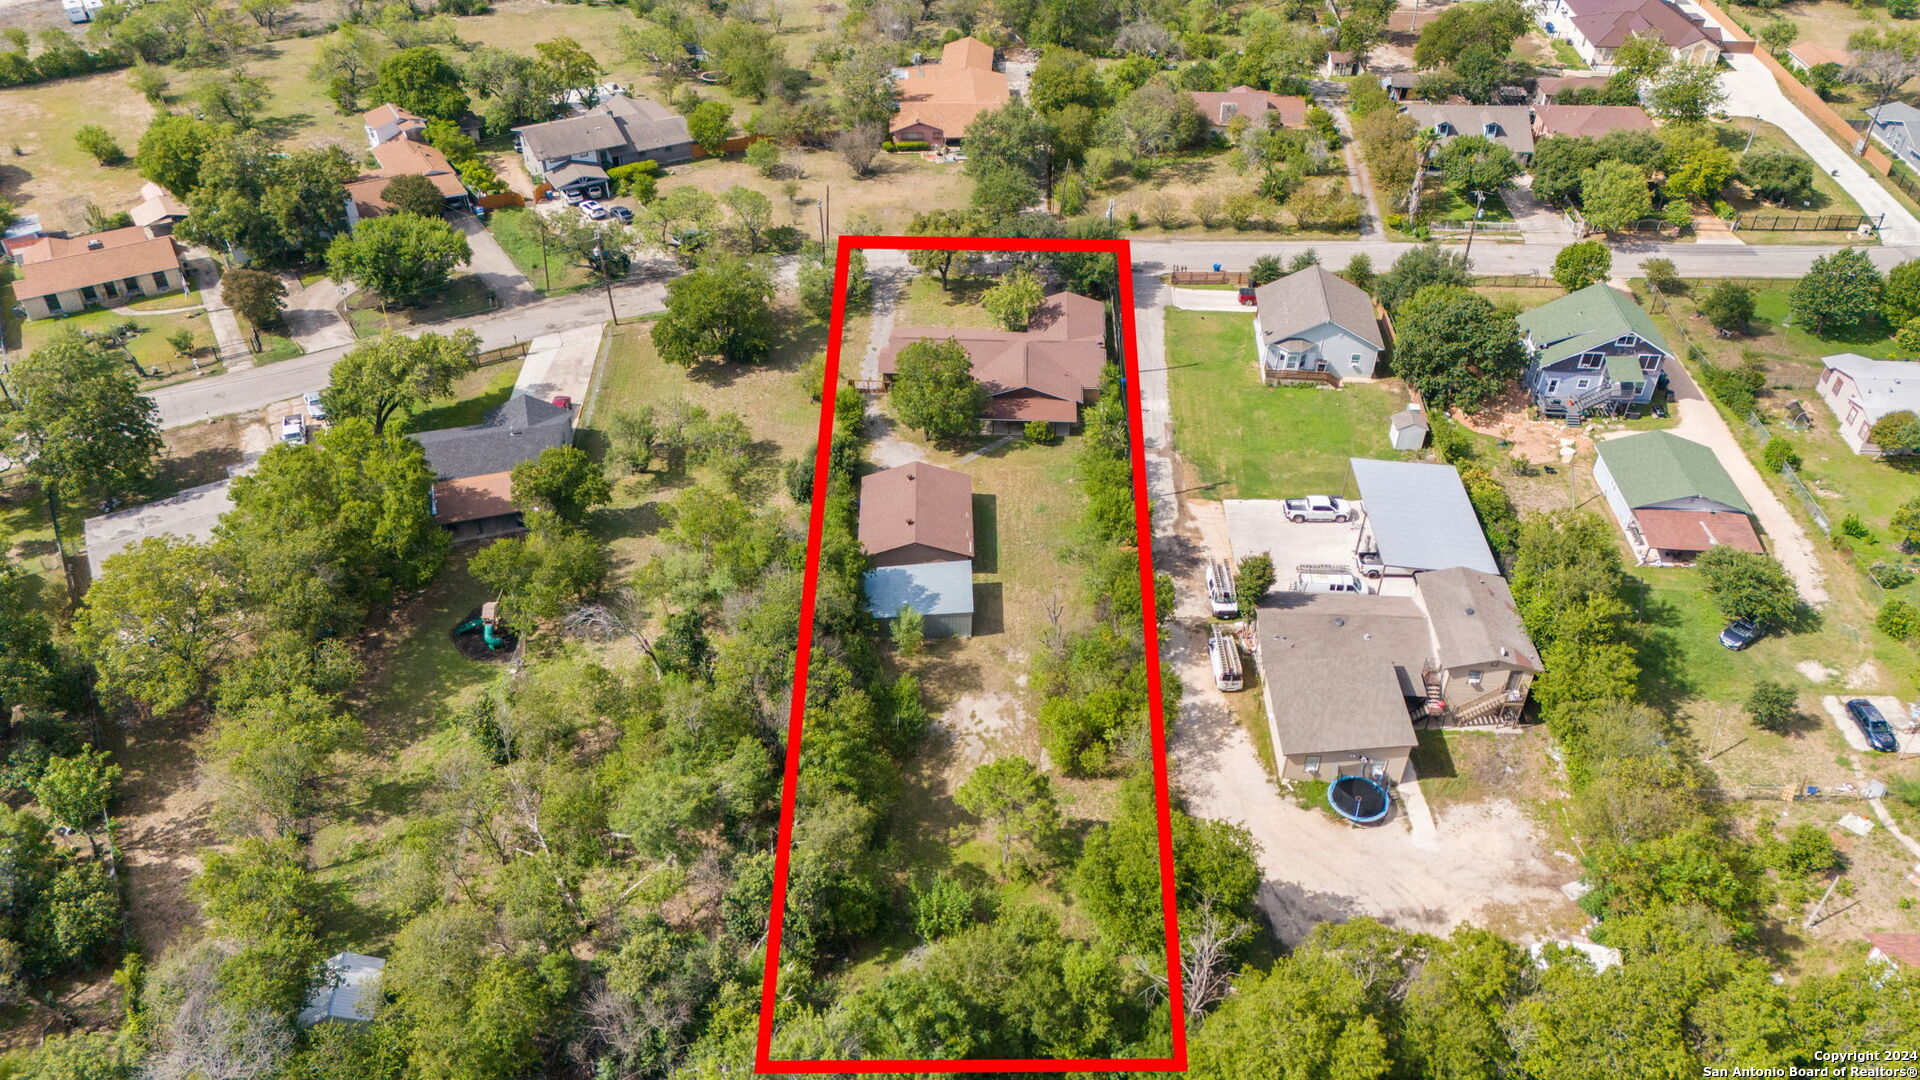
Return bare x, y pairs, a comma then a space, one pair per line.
1672, 498
1593, 351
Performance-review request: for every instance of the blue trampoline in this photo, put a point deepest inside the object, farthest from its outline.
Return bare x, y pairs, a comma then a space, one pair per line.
1358, 799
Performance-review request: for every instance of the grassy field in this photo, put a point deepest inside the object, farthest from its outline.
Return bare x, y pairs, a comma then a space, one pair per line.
1248, 441
48, 175
474, 394
924, 303
1829, 197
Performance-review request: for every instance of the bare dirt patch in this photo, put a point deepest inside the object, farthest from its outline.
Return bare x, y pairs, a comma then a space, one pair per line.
163, 823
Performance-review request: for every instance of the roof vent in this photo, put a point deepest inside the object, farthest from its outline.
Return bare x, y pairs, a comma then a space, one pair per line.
1339, 621
94, 245
1469, 611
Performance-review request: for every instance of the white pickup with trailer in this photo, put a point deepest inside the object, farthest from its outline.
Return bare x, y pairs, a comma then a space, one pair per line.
1224, 651
1318, 508
1221, 598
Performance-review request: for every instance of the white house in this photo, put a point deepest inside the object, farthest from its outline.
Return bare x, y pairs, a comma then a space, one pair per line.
1861, 391
1313, 326
1595, 28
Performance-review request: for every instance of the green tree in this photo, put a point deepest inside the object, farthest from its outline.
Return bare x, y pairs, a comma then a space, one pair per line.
549, 572
1687, 94
1013, 301
149, 82
85, 429
1017, 801
256, 296
421, 80
1839, 291
711, 123
99, 144
1746, 585
1900, 298
1456, 348
30, 669
414, 194
564, 481
80, 1056
1728, 306
277, 205
1251, 582
764, 156
1897, 432
1581, 264
1428, 264
572, 67
722, 311
1905, 524
348, 64
1118, 876
909, 631
1470, 163
399, 257
940, 262
1777, 35
261, 895
234, 98
1772, 706
1698, 167
934, 390
75, 790
159, 624
753, 59
321, 533
273, 757
1264, 269
1614, 194
1780, 177
392, 374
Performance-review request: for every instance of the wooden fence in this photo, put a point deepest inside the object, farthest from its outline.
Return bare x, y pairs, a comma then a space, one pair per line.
1207, 277
501, 201
516, 351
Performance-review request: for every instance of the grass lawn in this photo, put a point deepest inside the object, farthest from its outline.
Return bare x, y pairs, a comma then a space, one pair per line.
167, 302
517, 238
463, 296
1829, 197
1569, 59
274, 348
1442, 204
473, 395
149, 347
1458, 768
1249, 441
924, 303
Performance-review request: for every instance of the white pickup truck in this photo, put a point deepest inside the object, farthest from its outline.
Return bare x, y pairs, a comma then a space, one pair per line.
1319, 508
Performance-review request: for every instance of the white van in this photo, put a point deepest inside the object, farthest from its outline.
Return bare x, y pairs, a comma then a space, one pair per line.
1224, 602
1224, 651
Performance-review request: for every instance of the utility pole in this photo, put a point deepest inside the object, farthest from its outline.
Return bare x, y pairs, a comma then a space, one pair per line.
1479, 207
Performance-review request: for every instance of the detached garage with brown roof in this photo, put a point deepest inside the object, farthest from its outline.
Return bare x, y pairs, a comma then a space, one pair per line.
916, 513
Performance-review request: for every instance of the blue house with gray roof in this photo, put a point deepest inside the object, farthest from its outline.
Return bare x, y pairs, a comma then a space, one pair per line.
1592, 351
1897, 127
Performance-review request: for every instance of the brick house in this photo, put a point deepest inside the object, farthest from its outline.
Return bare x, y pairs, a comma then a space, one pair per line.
61, 275
938, 101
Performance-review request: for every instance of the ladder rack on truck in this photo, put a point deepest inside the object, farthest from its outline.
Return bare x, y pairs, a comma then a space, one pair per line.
1221, 598
1224, 651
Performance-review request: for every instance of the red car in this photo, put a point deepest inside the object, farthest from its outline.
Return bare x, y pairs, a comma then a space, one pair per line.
1246, 297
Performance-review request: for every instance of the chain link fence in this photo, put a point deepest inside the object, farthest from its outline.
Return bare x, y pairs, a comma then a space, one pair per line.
1812, 505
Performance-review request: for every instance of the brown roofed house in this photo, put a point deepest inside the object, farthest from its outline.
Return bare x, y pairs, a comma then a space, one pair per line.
390, 121
61, 275
397, 158
1596, 28
475, 507
1220, 107
1807, 55
1588, 120
938, 101
1895, 950
157, 211
916, 513
1045, 372
1549, 86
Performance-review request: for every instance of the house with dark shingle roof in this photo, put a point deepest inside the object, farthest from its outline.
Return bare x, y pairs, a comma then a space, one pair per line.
1672, 498
1592, 351
473, 465
1314, 321
574, 153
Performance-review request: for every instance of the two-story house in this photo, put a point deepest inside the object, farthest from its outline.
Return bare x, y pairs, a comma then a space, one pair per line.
1312, 326
1593, 351
574, 154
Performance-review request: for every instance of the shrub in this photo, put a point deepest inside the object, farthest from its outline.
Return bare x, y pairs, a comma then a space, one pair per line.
1898, 620
1733, 387
1889, 575
905, 145
1851, 525
1807, 851
941, 908
1728, 306
1452, 442
1663, 277
1772, 706
1779, 454
1038, 432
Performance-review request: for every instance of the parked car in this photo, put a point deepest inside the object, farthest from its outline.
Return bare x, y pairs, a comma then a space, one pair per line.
1327, 579
1741, 633
293, 429
576, 197
1874, 726
593, 210
315, 410
621, 212
1319, 508
1247, 298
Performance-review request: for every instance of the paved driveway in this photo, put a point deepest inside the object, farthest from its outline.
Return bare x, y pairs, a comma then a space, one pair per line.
1752, 91
491, 265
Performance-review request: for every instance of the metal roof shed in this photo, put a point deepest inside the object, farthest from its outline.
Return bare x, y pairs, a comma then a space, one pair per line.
347, 993
1419, 517
940, 591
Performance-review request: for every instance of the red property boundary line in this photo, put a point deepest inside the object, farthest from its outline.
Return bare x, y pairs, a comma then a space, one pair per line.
764, 1062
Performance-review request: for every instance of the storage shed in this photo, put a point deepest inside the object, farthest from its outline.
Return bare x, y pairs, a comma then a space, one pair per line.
942, 592
1408, 429
349, 992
